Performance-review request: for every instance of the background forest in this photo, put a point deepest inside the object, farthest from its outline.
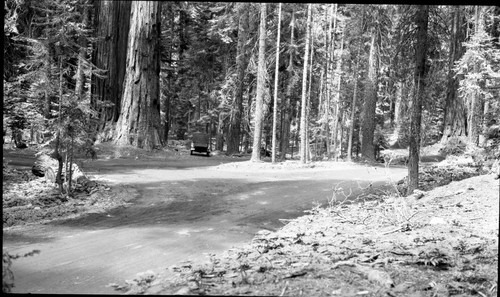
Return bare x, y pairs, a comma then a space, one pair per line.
313, 81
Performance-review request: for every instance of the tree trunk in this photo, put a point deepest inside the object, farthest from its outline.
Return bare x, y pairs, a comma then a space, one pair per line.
371, 88
166, 81
400, 110
337, 101
219, 142
71, 153
392, 90
286, 110
110, 53
260, 85
139, 123
329, 79
57, 150
474, 114
308, 107
303, 121
275, 109
454, 111
82, 42
416, 112
233, 138
483, 141
353, 108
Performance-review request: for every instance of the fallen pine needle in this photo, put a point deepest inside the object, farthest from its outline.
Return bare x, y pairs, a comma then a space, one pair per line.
284, 289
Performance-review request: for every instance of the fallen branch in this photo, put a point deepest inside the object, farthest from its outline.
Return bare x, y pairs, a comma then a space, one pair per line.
403, 253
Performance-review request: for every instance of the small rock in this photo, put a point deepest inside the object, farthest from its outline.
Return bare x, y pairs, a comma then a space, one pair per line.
437, 221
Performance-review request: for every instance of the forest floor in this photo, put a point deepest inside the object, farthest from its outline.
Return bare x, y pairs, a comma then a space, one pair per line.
28, 199
437, 242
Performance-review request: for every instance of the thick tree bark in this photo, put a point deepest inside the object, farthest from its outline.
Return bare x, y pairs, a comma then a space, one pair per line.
234, 132
139, 122
260, 85
416, 112
371, 88
303, 120
112, 23
454, 111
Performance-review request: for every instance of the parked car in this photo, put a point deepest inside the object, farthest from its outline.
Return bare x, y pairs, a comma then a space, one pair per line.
200, 143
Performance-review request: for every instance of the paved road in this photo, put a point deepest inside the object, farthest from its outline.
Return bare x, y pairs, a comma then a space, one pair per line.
184, 210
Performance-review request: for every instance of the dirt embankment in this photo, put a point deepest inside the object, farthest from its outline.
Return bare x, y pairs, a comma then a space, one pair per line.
438, 243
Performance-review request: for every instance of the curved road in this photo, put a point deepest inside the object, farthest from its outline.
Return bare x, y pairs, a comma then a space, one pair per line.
184, 210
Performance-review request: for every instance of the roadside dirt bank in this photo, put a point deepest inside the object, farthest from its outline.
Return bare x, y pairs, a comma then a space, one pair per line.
439, 243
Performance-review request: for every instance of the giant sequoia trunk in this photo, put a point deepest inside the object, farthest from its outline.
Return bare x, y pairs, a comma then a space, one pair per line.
112, 23
234, 132
139, 122
454, 112
416, 112
368, 114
